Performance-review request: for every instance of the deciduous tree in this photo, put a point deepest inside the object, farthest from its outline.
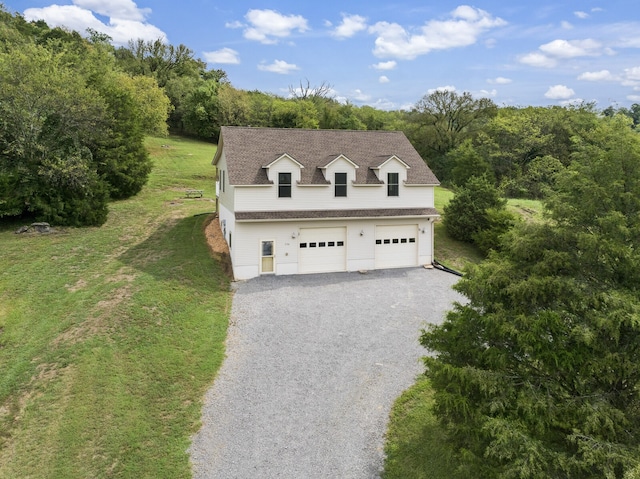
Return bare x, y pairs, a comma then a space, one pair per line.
445, 118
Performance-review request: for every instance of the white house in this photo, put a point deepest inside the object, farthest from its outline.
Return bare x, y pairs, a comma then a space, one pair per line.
294, 201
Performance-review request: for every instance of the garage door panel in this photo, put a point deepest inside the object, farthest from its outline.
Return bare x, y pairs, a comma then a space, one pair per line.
322, 250
396, 246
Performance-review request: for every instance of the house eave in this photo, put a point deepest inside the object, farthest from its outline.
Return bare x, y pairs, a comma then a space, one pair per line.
343, 214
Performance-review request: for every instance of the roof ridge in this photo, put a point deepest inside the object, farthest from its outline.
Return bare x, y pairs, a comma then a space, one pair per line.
336, 130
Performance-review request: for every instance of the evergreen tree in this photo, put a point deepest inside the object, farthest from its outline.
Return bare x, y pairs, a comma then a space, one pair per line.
468, 212
537, 375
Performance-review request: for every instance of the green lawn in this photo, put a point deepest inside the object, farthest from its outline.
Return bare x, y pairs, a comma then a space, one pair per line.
110, 336
415, 445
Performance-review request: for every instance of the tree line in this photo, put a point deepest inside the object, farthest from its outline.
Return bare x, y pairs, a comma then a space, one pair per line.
72, 125
75, 111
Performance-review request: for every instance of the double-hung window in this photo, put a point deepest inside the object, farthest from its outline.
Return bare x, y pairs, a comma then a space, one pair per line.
284, 185
340, 184
393, 188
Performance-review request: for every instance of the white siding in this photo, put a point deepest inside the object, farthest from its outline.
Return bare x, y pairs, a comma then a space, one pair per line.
393, 166
226, 198
341, 166
360, 243
322, 198
284, 165
360, 233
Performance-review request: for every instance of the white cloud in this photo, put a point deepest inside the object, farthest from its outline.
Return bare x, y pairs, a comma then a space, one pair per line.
278, 66
632, 73
581, 15
224, 55
235, 24
384, 104
126, 20
267, 26
441, 88
559, 92
550, 53
572, 48
120, 9
629, 42
635, 98
499, 81
490, 42
572, 102
351, 24
488, 93
390, 65
358, 95
537, 59
566, 25
463, 28
384, 79
602, 75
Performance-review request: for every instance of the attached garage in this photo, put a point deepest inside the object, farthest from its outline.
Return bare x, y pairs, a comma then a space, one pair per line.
396, 246
322, 250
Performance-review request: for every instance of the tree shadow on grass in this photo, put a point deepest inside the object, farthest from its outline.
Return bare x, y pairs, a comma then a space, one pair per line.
178, 251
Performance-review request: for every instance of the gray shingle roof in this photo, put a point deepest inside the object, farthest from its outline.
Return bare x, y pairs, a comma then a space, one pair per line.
248, 149
327, 214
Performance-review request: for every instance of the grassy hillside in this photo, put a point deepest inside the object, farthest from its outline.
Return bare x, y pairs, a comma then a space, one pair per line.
110, 336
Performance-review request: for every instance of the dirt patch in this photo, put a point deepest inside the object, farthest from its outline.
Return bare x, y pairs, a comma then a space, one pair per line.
97, 322
80, 284
123, 275
217, 244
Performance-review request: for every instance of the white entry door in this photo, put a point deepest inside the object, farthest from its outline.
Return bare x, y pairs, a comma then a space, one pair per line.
396, 246
322, 250
267, 256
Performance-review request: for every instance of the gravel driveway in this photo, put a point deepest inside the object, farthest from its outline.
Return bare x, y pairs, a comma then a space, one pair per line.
313, 366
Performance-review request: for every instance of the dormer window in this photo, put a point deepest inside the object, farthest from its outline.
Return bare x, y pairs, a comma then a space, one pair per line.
393, 188
284, 185
340, 184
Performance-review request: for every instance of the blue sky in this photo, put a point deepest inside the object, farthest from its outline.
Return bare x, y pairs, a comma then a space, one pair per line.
388, 54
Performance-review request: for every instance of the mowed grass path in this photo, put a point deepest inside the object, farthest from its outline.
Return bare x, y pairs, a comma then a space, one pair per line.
110, 336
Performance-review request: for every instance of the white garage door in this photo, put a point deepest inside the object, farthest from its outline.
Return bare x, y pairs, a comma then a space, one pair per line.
396, 246
322, 250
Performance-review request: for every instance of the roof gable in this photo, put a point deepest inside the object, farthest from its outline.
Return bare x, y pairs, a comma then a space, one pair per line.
391, 158
247, 150
284, 156
338, 158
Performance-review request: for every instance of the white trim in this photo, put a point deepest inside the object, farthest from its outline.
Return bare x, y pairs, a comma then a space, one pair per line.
261, 256
281, 157
335, 218
339, 157
392, 157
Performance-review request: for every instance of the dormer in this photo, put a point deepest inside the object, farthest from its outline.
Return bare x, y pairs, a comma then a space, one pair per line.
392, 164
284, 163
339, 164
